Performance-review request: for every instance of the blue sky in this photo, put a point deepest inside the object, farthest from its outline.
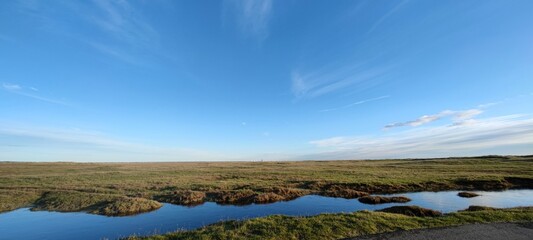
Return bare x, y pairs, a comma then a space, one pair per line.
274, 80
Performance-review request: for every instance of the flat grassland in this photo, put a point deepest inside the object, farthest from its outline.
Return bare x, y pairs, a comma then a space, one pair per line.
129, 188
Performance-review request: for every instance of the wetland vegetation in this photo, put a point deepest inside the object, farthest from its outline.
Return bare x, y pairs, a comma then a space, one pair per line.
129, 188
339, 226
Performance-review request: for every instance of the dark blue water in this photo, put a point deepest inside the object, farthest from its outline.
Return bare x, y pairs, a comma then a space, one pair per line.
25, 224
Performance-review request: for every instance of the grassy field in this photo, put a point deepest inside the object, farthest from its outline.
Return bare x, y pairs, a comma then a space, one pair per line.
338, 226
93, 187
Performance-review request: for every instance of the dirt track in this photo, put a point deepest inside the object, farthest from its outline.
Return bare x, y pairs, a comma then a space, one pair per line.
489, 231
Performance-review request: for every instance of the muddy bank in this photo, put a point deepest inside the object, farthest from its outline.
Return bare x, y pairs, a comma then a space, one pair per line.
347, 189
344, 190
236, 197
120, 205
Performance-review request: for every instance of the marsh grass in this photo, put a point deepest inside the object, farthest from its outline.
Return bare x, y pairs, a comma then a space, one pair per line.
127, 206
382, 200
103, 204
13, 199
21, 184
337, 226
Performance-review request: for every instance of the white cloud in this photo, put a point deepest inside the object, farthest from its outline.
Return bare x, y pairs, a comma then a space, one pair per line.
508, 132
458, 116
252, 15
11, 87
468, 114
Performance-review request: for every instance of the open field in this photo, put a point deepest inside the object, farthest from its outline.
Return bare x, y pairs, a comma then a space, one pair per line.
127, 188
339, 226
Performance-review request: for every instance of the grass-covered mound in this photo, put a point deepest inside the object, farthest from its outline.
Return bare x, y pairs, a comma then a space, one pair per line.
248, 196
414, 211
467, 194
381, 199
336, 226
127, 206
102, 204
183, 197
338, 191
478, 208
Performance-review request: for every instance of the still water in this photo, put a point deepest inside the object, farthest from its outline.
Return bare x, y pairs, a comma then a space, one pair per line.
25, 224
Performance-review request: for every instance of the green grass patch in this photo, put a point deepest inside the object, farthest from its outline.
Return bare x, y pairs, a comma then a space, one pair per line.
335, 226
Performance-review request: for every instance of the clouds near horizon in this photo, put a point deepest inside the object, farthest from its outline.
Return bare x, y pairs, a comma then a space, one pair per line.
459, 118
55, 144
476, 138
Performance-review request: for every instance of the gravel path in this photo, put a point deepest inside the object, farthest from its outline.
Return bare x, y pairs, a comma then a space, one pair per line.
496, 231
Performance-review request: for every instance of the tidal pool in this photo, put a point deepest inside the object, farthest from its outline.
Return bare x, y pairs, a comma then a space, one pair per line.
25, 224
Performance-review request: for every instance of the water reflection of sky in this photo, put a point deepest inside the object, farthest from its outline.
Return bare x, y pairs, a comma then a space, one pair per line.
24, 224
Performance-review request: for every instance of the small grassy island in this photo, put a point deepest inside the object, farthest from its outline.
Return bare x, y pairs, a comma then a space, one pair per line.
381, 200
467, 194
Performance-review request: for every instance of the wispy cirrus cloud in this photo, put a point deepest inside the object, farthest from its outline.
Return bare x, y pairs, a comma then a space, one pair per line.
327, 80
128, 32
72, 144
355, 103
252, 16
459, 117
387, 15
123, 21
123, 31
31, 92
514, 132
